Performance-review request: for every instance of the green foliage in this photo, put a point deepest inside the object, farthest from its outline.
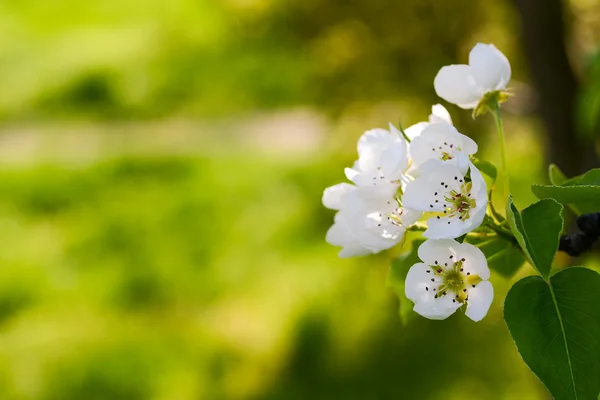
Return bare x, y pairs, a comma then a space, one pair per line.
557, 177
489, 171
397, 276
581, 191
556, 327
537, 230
503, 256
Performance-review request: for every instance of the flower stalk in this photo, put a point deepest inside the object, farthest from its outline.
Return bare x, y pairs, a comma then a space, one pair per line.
500, 130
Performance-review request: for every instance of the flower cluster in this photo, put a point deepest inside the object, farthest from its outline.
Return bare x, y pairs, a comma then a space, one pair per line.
426, 173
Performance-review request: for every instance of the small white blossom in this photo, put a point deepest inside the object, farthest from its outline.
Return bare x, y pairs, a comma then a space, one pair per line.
451, 275
465, 85
365, 223
443, 143
382, 161
439, 115
458, 206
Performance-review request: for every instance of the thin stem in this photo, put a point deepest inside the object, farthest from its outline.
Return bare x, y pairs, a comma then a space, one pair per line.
498, 218
501, 231
500, 130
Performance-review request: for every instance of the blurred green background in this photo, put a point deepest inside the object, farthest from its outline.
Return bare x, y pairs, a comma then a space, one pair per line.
161, 171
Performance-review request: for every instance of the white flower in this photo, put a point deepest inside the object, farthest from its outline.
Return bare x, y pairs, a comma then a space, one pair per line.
465, 85
439, 115
441, 142
452, 274
382, 161
365, 223
458, 206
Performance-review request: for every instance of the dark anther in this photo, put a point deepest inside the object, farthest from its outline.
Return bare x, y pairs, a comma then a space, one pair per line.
439, 271
468, 273
438, 217
426, 288
432, 280
462, 259
436, 262
473, 285
451, 257
464, 290
435, 194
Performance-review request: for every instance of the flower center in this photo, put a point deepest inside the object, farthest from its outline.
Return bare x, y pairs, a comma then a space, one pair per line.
457, 203
451, 279
446, 151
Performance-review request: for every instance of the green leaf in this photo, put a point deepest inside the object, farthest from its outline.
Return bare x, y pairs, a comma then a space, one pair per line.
590, 178
557, 177
488, 170
502, 255
582, 192
461, 239
556, 327
585, 198
537, 230
397, 276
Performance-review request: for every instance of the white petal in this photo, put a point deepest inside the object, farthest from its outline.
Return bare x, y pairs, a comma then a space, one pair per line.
462, 163
333, 196
441, 229
415, 130
366, 220
382, 154
439, 115
354, 250
478, 188
456, 84
420, 193
437, 250
480, 300
339, 234
438, 140
440, 308
409, 216
489, 66
475, 261
476, 216
418, 286
373, 138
